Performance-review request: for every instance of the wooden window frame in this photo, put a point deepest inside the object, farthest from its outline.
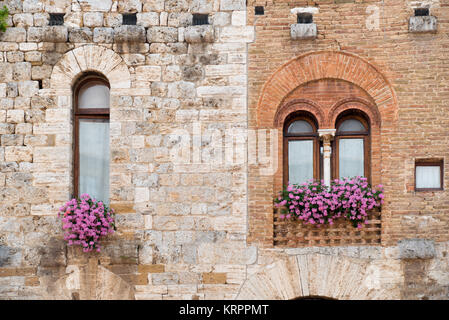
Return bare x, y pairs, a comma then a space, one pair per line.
430, 163
366, 136
287, 137
79, 113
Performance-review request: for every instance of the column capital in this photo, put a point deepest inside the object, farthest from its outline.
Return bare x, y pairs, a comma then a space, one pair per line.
326, 135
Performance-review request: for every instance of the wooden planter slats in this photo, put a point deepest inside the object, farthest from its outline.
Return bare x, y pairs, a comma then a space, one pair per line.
293, 233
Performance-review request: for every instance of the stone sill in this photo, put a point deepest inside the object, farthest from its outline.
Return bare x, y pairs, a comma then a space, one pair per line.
199, 34
301, 31
422, 24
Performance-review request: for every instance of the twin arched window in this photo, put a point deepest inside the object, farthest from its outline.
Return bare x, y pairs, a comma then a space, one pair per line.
91, 165
303, 150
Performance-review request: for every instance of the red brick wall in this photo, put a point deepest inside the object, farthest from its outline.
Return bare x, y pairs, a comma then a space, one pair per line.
403, 74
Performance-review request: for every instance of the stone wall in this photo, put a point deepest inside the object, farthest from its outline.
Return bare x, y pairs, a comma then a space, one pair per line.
181, 227
196, 230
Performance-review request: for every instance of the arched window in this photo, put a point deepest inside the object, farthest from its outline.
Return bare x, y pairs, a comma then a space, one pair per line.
301, 149
91, 165
352, 146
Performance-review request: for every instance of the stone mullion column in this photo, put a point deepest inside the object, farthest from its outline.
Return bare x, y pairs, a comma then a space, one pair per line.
327, 135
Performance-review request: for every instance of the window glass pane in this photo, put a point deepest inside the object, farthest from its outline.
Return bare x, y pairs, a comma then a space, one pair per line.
94, 158
351, 125
300, 126
351, 158
94, 94
300, 161
428, 177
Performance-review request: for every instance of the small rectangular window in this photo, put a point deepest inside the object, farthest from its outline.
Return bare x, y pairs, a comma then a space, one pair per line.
200, 19
56, 19
259, 11
428, 175
130, 19
305, 18
420, 12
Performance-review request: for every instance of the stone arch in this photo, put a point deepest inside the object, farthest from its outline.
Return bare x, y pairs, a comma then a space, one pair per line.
325, 65
90, 58
305, 275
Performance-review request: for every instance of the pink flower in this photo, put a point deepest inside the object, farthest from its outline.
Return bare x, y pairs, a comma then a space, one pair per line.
314, 201
82, 221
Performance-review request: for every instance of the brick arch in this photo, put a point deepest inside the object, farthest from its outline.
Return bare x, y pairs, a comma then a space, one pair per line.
354, 103
299, 105
325, 65
90, 58
305, 275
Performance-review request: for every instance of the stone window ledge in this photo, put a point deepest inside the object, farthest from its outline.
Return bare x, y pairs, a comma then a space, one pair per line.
300, 31
422, 24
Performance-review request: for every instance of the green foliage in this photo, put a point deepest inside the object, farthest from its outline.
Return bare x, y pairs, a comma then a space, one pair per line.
3, 17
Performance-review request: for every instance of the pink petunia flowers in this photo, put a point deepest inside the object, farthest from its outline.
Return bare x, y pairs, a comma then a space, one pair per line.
86, 221
317, 204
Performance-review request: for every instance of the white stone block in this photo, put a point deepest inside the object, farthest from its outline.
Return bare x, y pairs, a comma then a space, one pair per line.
423, 24
138, 142
15, 116
210, 91
148, 73
18, 154
95, 5
50, 179
148, 222
237, 57
52, 154
32, 6
300, 31
57, 115
201, 6
181, 34
237, 34
311, 10
181, 89
93, 19
23, 20
198, 34
28, 46
163, 18
44, 210
148, 19
28, 88
57, 6
239, 18
187, 115
221, 19
51, 128
2, 90
141, 194
231, 5
225, 70
153, 5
